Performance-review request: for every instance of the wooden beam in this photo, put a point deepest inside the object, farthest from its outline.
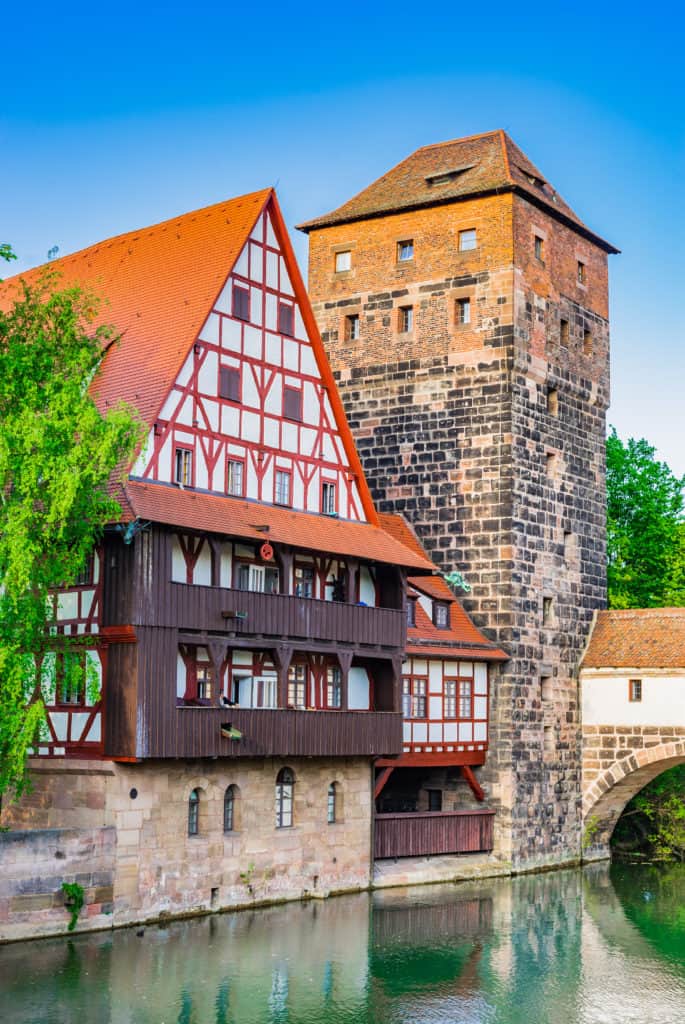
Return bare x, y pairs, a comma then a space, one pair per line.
456, 759
476, 789
381, 781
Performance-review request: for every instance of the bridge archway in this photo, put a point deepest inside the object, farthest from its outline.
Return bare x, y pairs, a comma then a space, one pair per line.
608, 794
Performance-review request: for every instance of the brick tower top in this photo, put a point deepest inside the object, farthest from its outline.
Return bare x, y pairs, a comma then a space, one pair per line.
449, 172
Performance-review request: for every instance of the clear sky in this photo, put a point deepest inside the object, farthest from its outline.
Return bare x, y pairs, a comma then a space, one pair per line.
113, 117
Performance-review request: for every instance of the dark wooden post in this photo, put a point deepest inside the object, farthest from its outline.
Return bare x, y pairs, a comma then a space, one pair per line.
282, 656
351, 583
284, 560
344, 660
215, 547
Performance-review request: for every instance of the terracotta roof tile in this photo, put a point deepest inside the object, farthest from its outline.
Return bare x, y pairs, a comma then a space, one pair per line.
637, 638
450, 171
158, 284
199, 510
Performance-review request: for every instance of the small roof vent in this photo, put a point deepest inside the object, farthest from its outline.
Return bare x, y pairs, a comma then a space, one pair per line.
444, 177
533, 178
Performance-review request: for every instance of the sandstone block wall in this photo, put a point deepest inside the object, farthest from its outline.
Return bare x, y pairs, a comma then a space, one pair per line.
489, 438
157, 868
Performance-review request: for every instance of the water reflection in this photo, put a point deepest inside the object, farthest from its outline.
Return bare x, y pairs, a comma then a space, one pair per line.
586, 947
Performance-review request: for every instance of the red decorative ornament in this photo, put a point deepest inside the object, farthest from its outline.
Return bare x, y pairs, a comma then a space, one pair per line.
266, 552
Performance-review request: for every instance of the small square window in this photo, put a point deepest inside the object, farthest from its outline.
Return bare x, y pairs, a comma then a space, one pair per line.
553, 402
282, 487
235, 477
292, 404
463, 309
467, 240
343, 261
405, 250
229, 384
406, 319
183, 467
564, 332
352, 327
582, 273
539, 249
286, 318
635, 690
241, 303
587, 343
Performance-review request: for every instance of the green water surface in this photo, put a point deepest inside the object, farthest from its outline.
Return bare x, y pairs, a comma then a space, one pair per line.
596, 946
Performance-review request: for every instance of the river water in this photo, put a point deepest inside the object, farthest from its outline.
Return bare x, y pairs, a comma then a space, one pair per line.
596, 946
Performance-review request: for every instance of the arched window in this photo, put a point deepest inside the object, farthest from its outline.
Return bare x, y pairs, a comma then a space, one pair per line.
229, 809
332, 801
285, 782
193, 812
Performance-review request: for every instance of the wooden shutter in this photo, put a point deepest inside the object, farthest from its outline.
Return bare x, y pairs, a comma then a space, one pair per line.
229, 384
285, 318
241, 303
292, 404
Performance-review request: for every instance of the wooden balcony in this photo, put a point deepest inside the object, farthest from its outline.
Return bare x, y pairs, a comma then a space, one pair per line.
272, 732
242, 612
433, 832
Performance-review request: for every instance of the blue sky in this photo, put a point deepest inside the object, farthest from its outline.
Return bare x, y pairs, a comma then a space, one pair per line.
114, 118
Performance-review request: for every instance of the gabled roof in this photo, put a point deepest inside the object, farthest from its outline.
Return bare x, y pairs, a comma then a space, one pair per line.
462, 639
159, 284
194, 510
640, 638
451, 171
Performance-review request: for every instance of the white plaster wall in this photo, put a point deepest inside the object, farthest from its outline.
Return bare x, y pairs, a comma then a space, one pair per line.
605, 698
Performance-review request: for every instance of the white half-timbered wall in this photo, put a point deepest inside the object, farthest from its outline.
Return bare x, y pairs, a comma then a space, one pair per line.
436, 732
254, 429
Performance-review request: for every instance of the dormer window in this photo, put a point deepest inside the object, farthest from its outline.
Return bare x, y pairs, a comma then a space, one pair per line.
441, 615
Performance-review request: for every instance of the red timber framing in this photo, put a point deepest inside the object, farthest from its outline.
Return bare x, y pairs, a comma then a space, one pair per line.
445, 707
311, 442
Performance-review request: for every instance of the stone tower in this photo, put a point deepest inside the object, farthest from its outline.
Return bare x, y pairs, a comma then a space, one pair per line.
464, 307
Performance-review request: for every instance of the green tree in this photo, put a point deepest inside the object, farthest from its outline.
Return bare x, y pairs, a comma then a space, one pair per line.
653, 823
57, 455
645, 527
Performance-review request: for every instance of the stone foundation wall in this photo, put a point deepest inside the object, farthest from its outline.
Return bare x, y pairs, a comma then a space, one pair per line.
158, 869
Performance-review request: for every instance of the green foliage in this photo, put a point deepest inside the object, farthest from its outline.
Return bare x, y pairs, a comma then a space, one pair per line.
653, 823
74, 898
57, 454
590, 833
645, 528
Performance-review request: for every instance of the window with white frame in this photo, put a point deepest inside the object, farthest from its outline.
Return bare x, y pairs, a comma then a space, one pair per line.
329, 498
465, 698
235, 478
352, 327
304, 580
194, 812
343, 261
298, 676
229, 808
204, 675
406, 323
414, 701
333, 686
467, 240
441, 614
285, 785
405, 250
282, 487
463, 311
332, 801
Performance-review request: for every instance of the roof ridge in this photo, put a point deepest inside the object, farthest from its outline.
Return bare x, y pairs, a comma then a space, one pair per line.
463, 138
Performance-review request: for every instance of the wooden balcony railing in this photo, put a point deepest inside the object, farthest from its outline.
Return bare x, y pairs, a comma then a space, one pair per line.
268, 732
205, 608
433, 832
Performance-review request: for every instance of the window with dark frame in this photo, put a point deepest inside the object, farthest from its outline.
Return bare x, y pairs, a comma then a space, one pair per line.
204, 674
229, 809
441, 615
467, 240
539, 246
406, 323
235, 478
352, 328
193, 812
286, 319
183, 467
582, 273
229, 383
329, 498
405, 250
414, 697
241, 303
635, 690
292, 403
434, 799
285, 785
86, 575
463, 311
298, 676
282, 487
411, 611
331, 810
333, 686
304, 580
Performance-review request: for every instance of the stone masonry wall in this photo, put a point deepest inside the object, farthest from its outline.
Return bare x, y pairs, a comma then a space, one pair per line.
159, 869
456, 431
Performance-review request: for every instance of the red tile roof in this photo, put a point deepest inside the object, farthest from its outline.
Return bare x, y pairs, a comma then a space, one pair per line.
637, 638
476, 165
199, 510
463, 639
